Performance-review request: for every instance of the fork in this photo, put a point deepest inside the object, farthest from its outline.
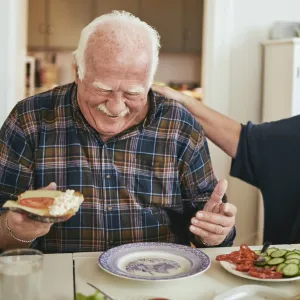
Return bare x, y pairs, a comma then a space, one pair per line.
261, 257
105, 295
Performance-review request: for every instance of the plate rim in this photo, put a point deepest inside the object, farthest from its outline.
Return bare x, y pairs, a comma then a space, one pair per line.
228, 267
156, 244
239, 288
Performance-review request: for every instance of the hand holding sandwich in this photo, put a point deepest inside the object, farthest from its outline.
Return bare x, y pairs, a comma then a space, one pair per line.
22, 227
25, 228
33, 213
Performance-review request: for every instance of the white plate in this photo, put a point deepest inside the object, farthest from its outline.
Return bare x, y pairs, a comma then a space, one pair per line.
154, 261
231, 268
253, 292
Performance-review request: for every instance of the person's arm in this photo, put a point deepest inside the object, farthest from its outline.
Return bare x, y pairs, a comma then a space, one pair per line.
220, 129
6, 240
16, 172
23, 230
208, 218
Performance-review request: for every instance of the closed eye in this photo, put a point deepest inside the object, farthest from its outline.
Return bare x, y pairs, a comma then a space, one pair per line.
104, 91
132, 93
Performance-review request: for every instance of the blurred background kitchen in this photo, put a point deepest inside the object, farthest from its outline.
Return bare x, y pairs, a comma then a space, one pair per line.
54, 28
215, 50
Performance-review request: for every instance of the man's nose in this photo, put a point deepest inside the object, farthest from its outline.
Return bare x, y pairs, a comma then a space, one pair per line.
116, 104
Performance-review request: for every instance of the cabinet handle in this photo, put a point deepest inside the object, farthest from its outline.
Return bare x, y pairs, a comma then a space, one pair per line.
298, 72
50, 29
42, 28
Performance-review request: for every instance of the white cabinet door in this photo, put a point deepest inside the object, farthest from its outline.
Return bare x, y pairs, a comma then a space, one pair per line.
167, 17
36, 24
296, 83
102, 7
193, 19
66, 20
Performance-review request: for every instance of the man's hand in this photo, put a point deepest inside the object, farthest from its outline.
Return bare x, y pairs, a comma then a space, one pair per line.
216, 220
26, 229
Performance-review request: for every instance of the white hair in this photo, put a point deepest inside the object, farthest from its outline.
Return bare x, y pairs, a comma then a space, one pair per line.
121, 18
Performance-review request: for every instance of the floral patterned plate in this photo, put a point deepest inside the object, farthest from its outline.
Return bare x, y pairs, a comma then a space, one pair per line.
154, 261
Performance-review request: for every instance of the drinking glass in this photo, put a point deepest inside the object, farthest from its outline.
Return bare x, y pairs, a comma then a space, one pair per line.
21, 274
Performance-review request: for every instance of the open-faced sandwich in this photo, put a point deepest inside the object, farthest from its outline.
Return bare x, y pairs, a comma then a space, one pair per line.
47, 206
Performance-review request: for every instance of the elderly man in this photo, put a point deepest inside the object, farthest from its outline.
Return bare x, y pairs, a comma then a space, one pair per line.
140, 160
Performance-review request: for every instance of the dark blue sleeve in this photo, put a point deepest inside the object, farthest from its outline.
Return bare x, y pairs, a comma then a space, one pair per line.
244, 165
267, 152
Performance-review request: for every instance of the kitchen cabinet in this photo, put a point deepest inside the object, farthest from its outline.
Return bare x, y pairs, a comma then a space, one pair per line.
281, 82
102, 7
193, 24
57, 24
36, 23
179, 22
167, 18
66, 20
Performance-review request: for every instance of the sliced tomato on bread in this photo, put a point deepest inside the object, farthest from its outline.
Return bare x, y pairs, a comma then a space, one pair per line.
38, 202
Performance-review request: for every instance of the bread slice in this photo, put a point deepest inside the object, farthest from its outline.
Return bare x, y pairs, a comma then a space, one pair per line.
41, 214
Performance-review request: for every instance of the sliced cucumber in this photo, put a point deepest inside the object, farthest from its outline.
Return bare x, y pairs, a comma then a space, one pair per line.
293, 255
275, 261
270, 250
257, 252
280, 267
262, 263
278, 253
290, 253
290, 270
292, 261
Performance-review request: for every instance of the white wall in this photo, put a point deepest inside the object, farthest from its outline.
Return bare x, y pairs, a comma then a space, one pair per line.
13, 29
233, 58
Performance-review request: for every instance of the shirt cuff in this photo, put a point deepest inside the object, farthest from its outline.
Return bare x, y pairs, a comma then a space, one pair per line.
228, 242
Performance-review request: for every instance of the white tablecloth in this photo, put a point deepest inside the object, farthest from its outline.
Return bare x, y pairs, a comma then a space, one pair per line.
205, 286
58, 283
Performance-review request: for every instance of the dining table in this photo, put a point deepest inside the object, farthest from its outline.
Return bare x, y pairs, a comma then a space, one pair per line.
68, 274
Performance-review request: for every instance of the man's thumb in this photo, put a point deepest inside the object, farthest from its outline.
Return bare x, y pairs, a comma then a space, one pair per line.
217, 195
51, 187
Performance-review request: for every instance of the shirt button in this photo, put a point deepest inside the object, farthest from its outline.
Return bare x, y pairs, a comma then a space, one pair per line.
109, 208
107, 176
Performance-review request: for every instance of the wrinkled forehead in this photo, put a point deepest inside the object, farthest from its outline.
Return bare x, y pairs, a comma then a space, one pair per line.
120, 46
110, 54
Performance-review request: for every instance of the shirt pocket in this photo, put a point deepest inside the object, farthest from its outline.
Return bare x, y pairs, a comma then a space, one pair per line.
155, 181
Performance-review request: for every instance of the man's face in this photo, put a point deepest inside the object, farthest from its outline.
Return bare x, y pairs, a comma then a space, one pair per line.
113, 94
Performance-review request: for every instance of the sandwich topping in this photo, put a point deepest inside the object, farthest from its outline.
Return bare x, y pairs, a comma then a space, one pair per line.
64, 203
37, 202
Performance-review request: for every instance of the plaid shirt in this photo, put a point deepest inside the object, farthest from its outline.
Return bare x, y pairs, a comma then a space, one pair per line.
142, 185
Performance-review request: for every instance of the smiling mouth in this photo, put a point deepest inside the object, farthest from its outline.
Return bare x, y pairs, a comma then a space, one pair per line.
105, 111
113, 117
